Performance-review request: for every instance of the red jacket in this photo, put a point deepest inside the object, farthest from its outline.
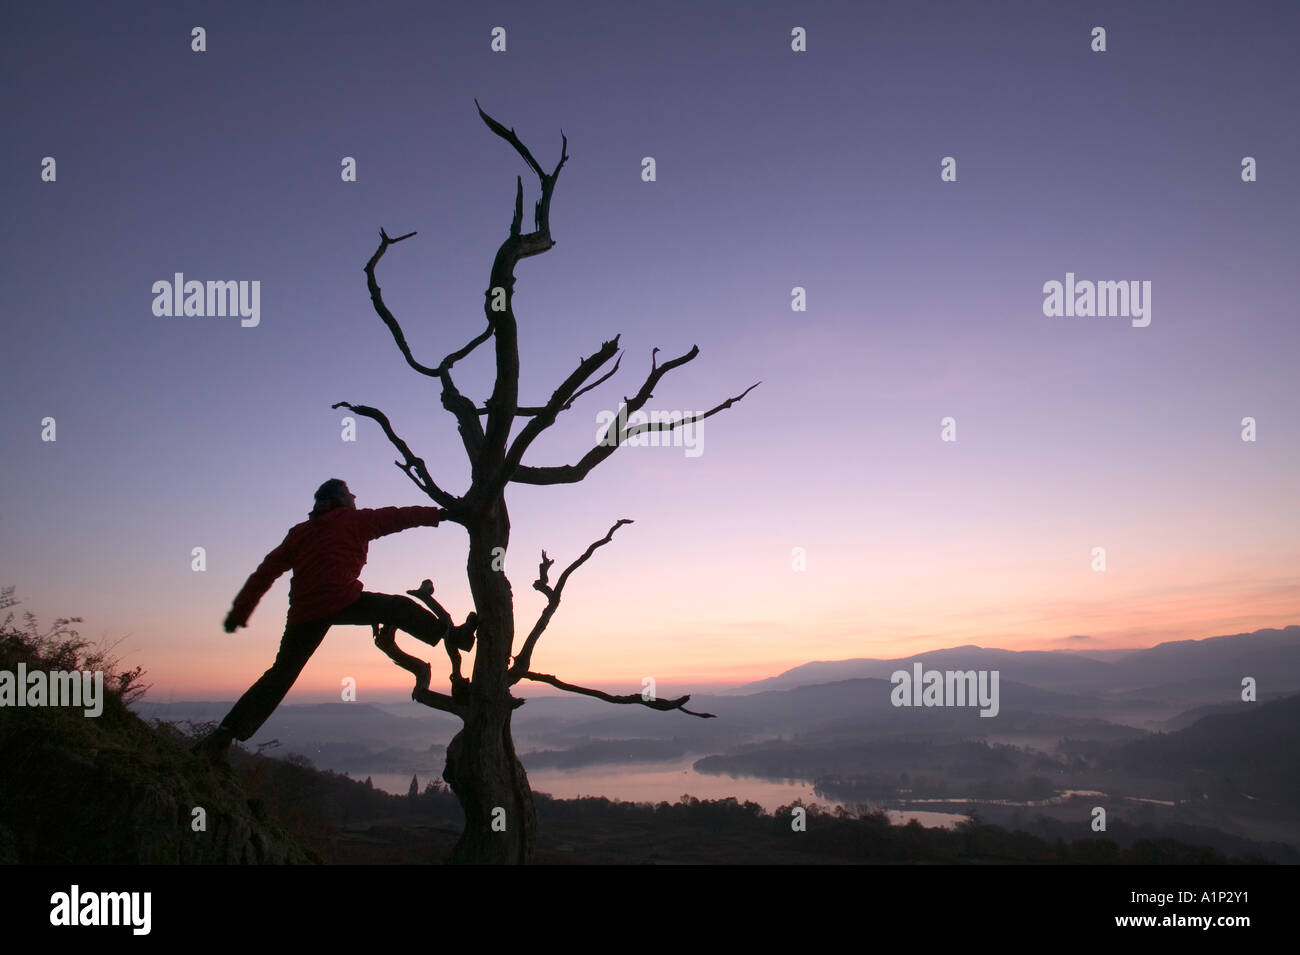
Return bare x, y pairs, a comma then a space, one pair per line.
326, 553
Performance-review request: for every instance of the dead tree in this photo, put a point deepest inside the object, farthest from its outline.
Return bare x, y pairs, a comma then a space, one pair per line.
482, 768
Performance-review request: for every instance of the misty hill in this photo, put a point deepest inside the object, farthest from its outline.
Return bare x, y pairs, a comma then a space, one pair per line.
1067, 695
363, 723
362, 738
1272, 657
146, 785
1043, 668
858, 708
1251, 754
1187, 717
1184, 666
357, 737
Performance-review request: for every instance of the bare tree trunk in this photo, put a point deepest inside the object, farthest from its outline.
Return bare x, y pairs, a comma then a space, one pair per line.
482, 768
488, 779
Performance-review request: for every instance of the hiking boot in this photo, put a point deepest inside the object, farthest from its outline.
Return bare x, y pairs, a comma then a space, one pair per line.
462, 637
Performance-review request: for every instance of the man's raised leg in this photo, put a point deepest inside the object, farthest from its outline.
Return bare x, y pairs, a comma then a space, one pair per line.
408, 616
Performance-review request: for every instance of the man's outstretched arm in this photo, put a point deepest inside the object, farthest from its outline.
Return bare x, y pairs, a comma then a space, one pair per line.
275, 564
379, 521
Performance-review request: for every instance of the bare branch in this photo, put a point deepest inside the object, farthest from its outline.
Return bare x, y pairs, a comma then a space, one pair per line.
685, 419
452, 400
462, 408
440, 701
459, 685
655, 704
377, 298
617, 434
509, 136
560, 399
526, 412
503, 403
462, 352
413, 467
599, 381
385, 641
525, 656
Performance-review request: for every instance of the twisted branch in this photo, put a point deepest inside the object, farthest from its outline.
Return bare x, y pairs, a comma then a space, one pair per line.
385, 641
377, 297
525, 656
677, 704
413, 466
615, 435
503, 404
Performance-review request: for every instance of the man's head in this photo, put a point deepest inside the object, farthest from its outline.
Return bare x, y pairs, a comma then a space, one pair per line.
333, 493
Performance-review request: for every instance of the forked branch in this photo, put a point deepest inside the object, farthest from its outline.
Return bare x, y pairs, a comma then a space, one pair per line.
470, 430
654, 703
377, 297
385, 641
562, 398
412, 466
617, 433
503, 404
525, 411
524, 658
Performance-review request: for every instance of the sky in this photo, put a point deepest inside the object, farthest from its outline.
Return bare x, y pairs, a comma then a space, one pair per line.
822, 517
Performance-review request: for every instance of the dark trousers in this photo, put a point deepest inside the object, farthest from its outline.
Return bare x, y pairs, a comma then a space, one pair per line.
300, 641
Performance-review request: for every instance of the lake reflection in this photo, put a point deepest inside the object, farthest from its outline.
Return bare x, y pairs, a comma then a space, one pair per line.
668, 782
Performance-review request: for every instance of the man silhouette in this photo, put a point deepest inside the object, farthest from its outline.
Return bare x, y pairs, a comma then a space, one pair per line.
326, 553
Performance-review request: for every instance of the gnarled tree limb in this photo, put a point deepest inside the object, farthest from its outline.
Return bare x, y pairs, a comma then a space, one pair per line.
656, 704
460, 406
385, 641
459, 685
377, 297
616, 435
504, 401
460, 353
524, 658
413, 467
560, 399
524, 411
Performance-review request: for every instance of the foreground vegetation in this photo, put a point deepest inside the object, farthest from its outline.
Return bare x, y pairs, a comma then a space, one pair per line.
116, 789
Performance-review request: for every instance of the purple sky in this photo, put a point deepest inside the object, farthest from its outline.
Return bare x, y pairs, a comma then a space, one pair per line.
775, 169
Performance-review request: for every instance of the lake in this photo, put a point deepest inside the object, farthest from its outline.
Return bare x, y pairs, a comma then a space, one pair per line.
668, 782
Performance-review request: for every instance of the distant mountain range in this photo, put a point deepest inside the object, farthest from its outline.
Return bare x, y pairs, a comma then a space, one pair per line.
1178, 668
1045, 695
1162, 730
